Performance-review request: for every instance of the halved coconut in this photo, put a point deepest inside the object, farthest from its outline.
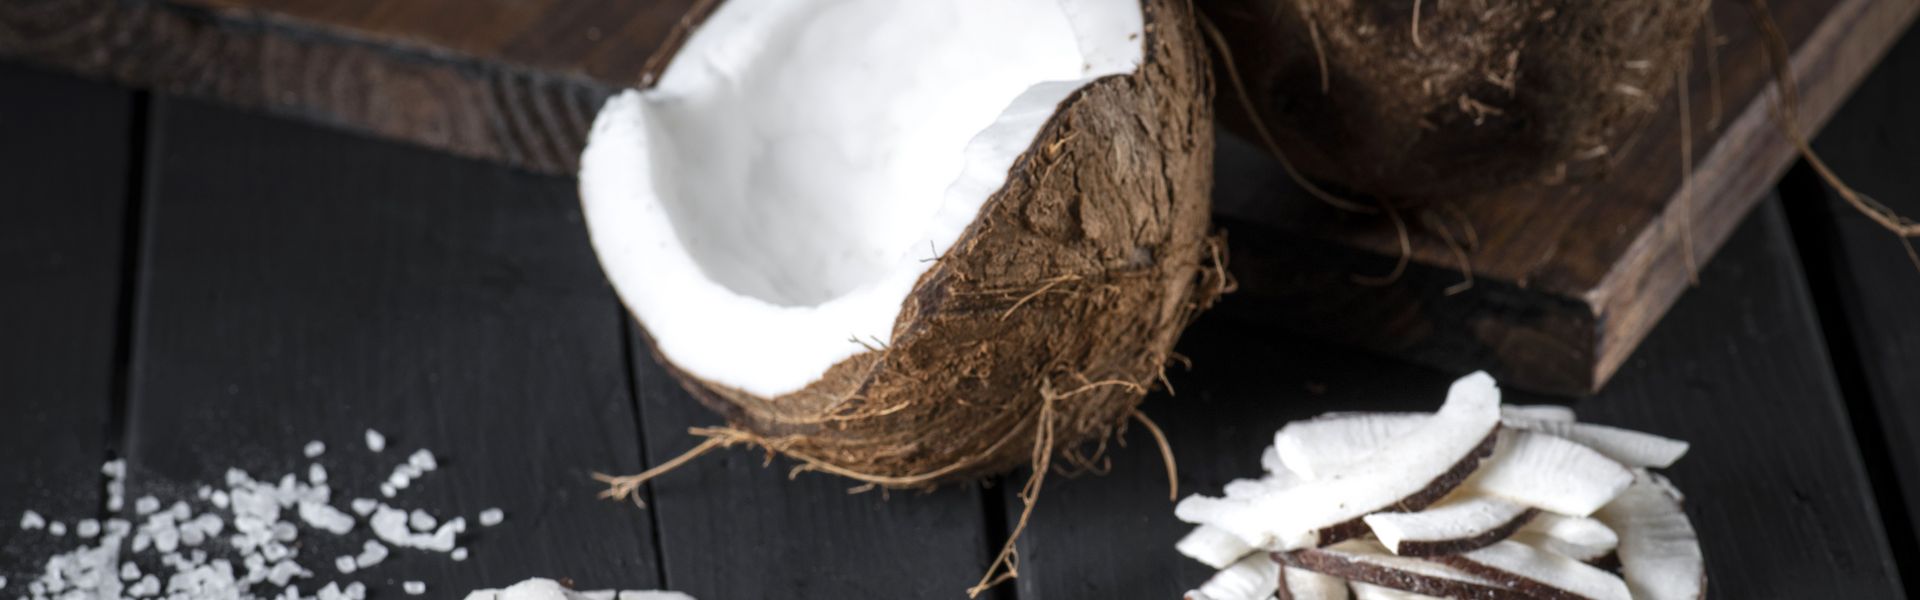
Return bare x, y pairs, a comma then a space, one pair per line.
1301, 584
1539, 573
1451, 527
1659, 553
1580, 538
1255, 577
1367, 562
879, 235
1407, 474
1551, 473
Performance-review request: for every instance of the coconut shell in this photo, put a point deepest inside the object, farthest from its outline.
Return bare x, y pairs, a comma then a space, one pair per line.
1494, 92
1063, 299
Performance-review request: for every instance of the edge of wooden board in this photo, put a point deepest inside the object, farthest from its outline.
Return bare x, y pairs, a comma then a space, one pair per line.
1651, 275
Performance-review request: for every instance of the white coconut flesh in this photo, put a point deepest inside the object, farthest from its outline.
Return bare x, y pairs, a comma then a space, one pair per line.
1253, 578
1516, 526
1583, 539
1301, 584
765, 209
1550, 473
1457, 524
1546, 574
1414, 464
1659, 552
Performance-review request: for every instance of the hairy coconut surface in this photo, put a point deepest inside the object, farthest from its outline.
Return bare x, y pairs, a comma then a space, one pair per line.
1037, 328
1417, 99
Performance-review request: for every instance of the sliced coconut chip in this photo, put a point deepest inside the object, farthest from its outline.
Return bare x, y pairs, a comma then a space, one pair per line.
1551, 473
1366, 561
1368, 591
1212, 546
1451, 527
1252, 578
1659, 552
1584, 539
1270, 461
1628, 447
1538, 412
1407, 474
1333, 441
1539, 573
1301, 584
1253, 488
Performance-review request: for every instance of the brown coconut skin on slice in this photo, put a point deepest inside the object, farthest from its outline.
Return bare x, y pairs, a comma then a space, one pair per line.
1495, 92
1057, 309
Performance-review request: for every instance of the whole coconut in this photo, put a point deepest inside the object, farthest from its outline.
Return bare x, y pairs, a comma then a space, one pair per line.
1045, 312
1422, 99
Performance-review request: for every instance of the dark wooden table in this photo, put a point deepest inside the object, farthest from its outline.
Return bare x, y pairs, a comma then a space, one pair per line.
192, 288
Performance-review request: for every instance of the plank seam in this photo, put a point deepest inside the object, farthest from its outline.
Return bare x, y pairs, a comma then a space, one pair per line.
137, 177
627, 357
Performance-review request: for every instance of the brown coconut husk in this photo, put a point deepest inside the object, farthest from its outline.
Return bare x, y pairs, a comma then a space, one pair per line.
1039, 332
1423, 99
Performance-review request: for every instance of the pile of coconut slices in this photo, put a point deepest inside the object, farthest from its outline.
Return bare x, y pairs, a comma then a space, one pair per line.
1474, 501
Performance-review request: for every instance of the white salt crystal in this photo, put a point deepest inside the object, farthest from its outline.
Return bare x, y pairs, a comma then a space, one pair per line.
114, 469
118, 527
386, 489
220, 499
315, 448
357, 591
141, 541
129, 571
56, 529
204, 492
87, 528
3, 582
285, 532
371, 554
491, 517
146, 504
423, 459
166, 539
316, 474
274, 551
399, 481
459, 524
420, 520
32, 520
180, 511
147, 586
284, 571
326, 517
459, 554
414, 588
344, 564
375, 441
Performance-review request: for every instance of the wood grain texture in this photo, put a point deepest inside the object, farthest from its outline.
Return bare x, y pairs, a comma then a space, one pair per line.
1775, 484
307, 285
733, 525
517, 115
1568, 278
1872, 144
63, 160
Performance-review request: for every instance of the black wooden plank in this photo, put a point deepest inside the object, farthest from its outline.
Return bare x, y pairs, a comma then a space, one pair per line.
63, 170
1737, 368
733, 527
306, 284
1873, 319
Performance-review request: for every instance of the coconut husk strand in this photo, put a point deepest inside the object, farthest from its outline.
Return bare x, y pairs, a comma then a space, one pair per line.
1428, 99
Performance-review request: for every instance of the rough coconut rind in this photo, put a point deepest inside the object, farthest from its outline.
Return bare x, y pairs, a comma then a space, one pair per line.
1057, 307
1484, 94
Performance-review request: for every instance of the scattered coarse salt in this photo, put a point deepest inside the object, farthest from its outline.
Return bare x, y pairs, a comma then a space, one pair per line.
129, 571
30, 520
314, 449
375, 441
87, 528
422, 459
146, 505
345, 564
420, 520
491, 517
3, 582
386, 489
414, 588
371, 554
316, 474
56, 529
364, 506
458, 554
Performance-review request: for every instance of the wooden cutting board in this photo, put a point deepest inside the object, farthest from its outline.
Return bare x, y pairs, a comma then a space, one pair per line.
1567, 279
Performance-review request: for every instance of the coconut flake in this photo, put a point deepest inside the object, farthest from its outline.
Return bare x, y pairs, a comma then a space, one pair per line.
1366, 561
1301, 584
1212, 546
1541, 573
1451, 527
1631, 448
1368, 591
1409, 473
1580, 538
1550, 473
1659, 553
1255, 577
